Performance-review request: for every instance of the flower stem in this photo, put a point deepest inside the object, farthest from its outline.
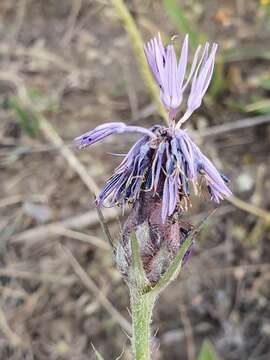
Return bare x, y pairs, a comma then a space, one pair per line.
141, 307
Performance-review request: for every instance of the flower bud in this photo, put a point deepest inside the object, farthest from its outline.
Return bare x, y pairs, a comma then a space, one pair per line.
158, 242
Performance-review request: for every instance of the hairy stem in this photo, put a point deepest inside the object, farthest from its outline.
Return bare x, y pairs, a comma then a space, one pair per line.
141, 307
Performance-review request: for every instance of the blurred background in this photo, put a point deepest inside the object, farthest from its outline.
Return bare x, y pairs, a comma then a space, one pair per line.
67, 66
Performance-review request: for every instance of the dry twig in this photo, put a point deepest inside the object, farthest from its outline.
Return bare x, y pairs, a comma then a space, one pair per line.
13, 338
72, 160
43, 277
191, 351
41, 232
232, 126
76, 7
90, 285
89, 239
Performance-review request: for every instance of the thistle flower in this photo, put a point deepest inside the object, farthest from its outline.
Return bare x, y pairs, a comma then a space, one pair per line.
165, 162
158, 176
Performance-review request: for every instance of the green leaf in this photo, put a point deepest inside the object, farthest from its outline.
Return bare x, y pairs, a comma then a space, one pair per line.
265, 84
176, 264
235, 105
207, 352
27, 119
245, 53
98, 355
261, 106
217, 81
41, 102
105, 228
177, 15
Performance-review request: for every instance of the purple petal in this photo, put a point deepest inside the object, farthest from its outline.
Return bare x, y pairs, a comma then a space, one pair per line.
159, 155
173, 195
185, 145
171, 92
200, 82
159, 58
187, 254
149, 51
193, 66
168, 74
214, 178
102, 131
133, 152
183, 62
165, 200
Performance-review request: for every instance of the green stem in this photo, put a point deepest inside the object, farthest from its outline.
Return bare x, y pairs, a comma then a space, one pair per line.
137, 44
141, 307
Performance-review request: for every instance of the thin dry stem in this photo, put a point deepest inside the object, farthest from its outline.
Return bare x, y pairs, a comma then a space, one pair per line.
89, 239
137, 43
191, 351
43, 277
13, 338
90, 285
39, 233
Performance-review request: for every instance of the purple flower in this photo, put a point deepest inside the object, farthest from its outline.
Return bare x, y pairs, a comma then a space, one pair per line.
164, 162
170, 75
200, 82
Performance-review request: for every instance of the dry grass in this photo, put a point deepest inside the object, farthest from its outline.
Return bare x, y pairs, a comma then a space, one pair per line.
63, 63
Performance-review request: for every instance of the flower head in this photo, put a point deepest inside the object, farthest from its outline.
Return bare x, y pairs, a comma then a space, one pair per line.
164, 162
170, 74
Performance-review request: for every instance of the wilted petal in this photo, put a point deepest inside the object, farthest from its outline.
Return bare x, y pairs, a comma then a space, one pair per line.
130, 156
214, 178
165, 200
158, 164
102, 131
187, 150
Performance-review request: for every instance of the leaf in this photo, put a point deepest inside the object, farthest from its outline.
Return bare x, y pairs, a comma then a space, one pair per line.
26, 119
98, 355
176, 264
177, 15
217, 81
41, 102
207, 352
261, 106
235, 105
245, 53
264, 83
174, 267
105, 228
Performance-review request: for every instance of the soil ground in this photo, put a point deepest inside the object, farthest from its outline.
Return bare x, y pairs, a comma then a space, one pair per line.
74, 61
